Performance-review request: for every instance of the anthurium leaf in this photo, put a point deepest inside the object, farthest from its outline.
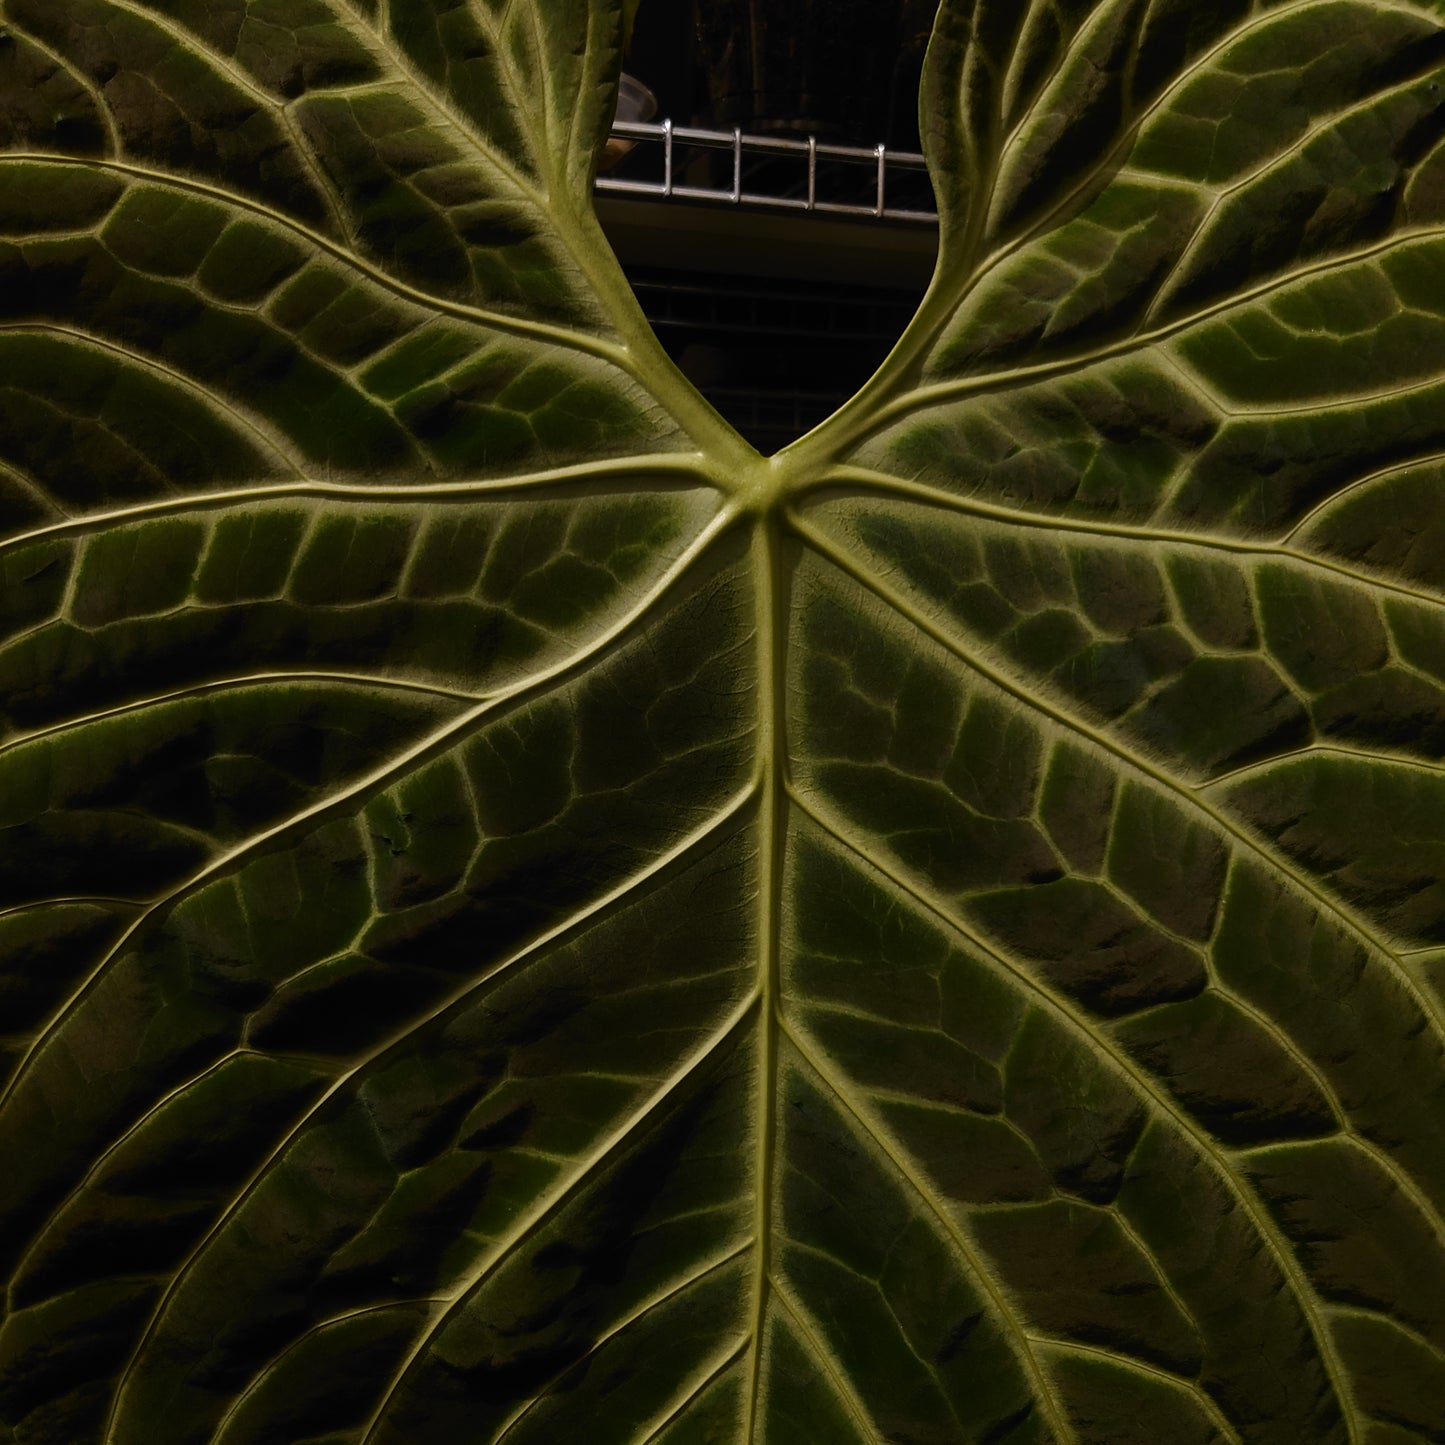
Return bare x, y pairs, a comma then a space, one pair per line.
524, 921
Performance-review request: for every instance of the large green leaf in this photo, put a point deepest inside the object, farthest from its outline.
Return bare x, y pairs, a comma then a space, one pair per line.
526, 922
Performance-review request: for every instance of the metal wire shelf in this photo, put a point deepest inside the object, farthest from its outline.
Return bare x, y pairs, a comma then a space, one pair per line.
879, 162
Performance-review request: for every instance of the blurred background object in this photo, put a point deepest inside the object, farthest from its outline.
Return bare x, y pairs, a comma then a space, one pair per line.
635, 102
843, 70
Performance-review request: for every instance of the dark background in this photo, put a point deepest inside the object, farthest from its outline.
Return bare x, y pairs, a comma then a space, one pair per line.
778, 321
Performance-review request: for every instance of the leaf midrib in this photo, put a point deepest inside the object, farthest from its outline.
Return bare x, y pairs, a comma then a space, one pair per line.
770, 766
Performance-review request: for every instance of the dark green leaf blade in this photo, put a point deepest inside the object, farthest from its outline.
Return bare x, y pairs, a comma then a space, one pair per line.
1179, 788
524, 921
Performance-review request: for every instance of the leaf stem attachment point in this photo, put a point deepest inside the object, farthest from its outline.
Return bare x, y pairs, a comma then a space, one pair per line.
761, 489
